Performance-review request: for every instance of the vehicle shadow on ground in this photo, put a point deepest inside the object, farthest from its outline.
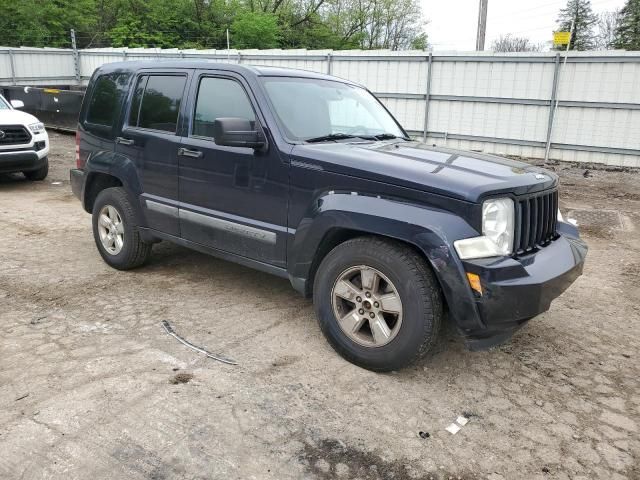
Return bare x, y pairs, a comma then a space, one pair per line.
10, 182
193, 268
12, 178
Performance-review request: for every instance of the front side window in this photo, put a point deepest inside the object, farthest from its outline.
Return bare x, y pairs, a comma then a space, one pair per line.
311, 108
219, 98
106, 98
3, 104
156, 102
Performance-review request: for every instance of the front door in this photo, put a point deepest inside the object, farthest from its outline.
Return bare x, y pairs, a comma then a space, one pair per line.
233, 199
149, 138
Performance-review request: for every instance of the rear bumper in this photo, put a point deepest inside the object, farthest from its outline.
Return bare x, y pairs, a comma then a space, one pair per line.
516, 290
76, 178
21, 161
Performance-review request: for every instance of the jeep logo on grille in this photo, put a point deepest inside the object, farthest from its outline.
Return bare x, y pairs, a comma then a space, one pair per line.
2, 134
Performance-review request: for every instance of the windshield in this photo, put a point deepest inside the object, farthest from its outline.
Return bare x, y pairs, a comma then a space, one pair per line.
311, 109
3, 104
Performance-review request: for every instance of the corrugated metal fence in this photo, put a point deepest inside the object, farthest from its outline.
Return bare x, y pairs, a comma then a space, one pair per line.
494, 103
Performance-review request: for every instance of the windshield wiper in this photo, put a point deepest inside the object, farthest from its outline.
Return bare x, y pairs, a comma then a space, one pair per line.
343, 136
331, 136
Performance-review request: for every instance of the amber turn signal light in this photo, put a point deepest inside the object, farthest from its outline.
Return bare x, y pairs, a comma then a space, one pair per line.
474, 282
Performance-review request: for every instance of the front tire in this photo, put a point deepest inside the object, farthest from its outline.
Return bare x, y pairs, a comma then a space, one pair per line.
39, 174
378, 303
115, 231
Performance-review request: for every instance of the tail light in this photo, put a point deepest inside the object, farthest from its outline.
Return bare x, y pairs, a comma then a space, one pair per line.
79, 163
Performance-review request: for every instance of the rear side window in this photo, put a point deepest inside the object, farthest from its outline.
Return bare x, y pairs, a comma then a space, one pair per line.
106, 98
219, 98
156, 102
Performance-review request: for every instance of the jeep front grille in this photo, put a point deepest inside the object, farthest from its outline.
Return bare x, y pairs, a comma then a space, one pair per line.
14, 135
536, 221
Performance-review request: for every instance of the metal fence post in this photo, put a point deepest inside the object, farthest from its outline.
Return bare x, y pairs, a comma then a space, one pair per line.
13, 67
76, 56
239, 57
552, 106
329, 63
427, 96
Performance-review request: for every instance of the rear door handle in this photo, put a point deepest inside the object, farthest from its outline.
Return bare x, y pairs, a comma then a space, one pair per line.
185, 152
124, 141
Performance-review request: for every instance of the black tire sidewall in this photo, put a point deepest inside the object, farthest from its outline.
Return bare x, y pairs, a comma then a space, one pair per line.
117, 199
418, 309
39, 174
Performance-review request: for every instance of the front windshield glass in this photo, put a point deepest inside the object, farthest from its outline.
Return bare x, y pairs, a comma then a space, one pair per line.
3, 104
310, 109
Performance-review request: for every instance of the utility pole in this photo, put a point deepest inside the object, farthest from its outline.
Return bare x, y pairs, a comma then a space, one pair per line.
482, 25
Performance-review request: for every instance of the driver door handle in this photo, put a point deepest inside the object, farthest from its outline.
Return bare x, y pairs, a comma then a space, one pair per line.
185, 152
124, 141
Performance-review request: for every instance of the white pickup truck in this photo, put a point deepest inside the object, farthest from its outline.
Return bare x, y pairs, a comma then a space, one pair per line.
24, 143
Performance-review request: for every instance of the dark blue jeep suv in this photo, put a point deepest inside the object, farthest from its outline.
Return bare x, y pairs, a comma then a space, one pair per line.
310, 178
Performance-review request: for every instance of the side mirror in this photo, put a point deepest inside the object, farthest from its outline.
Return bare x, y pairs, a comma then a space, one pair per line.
17, 103
237, 132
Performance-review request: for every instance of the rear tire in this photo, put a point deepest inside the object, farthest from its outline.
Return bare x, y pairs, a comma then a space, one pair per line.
115, 231
411, 321
39, 174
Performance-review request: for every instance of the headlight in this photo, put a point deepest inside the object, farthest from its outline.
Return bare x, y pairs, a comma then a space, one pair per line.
497, 232
37, 127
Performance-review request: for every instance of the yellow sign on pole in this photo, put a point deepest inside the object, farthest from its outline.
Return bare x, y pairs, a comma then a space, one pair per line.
561, 38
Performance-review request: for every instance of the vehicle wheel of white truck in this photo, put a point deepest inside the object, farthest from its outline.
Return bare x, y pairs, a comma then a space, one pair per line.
39, 174
115, 231
378, 303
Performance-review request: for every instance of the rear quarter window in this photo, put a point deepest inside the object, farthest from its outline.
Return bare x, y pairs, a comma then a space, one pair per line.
106, 99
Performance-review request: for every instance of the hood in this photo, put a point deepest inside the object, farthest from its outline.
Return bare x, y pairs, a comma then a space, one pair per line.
459, 174
16, 117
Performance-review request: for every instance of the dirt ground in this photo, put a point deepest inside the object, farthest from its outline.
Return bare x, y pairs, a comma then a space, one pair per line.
91, 386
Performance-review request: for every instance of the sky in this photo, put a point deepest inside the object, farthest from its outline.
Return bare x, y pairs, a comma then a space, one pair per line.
453, 23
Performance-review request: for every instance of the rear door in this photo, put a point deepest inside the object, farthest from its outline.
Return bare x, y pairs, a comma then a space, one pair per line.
231, 198
150, 139
101, 111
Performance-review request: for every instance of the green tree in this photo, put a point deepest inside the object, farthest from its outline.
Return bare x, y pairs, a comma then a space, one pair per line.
628, 32
372, 24
511, 43
316, 24
255, 30
42, 23
152, 23
579, 13
420, 42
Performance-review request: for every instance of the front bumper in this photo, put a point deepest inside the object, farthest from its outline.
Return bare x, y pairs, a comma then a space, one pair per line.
516, 290
25, 157
20, 161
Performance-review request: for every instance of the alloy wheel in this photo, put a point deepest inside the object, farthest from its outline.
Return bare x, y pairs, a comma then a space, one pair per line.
367, 306
111, 229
